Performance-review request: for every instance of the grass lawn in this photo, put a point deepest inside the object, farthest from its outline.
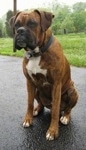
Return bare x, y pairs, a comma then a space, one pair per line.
74, 47
6, 48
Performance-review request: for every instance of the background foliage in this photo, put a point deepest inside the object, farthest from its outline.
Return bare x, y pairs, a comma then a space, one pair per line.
67, 20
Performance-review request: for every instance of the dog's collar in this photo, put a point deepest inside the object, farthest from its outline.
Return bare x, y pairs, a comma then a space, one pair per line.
47, 45
33, 53
29, 54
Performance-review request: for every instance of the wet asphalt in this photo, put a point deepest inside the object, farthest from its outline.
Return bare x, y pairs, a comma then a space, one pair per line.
13, 104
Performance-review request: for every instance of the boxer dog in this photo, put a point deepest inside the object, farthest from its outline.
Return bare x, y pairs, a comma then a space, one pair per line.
46, 69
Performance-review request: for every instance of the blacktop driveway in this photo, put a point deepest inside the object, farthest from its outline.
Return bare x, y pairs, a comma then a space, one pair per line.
13, 101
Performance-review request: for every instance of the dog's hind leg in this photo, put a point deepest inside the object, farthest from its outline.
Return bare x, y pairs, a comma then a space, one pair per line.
39, 108
71, 101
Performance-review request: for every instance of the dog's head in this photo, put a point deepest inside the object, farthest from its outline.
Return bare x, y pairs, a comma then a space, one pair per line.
29, 27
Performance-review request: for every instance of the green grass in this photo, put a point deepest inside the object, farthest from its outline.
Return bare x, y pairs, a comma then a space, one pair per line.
74, 47
6, 48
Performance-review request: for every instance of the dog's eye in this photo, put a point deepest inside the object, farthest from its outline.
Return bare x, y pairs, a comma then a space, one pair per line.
17, 25
32, 24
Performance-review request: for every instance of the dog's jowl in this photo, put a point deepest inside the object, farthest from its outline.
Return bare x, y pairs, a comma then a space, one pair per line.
46, 69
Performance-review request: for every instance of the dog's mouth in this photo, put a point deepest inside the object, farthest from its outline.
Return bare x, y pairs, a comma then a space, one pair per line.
25, 40
25, 43
21, 43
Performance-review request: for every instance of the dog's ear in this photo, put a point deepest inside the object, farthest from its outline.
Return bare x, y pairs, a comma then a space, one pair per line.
11, 23
46, 19
12, 20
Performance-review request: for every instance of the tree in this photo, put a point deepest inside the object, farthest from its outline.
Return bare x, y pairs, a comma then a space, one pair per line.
8, 28
1, 28
55, 5
68, 25
79, 21
60, 14
80, 6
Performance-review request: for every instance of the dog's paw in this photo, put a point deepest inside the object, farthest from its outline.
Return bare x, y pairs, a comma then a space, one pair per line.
27, 121
49, 137
39, 108
64, 120
35, 113
26, 124
51, 134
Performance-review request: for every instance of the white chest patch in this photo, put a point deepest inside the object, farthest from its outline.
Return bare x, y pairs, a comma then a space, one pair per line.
34, 68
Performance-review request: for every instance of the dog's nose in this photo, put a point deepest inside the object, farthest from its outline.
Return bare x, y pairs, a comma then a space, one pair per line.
21, 30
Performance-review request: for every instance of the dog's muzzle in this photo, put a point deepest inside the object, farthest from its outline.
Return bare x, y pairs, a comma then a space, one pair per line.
24, 39
20, 39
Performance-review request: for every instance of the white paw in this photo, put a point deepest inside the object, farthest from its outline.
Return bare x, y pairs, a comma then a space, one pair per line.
64, 120
26, 124
35, 113
49, 137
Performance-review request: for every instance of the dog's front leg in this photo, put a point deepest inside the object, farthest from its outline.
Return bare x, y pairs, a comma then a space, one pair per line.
31, 94
53, 130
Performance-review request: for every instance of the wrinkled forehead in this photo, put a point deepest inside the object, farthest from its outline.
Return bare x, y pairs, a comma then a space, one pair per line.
27, 15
